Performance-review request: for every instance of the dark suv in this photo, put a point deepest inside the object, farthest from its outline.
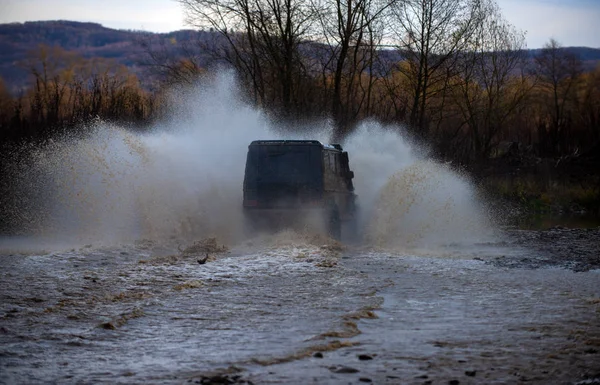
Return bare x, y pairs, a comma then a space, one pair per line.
287, 181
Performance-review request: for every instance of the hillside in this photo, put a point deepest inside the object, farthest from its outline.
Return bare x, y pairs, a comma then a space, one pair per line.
590, 57
18, 40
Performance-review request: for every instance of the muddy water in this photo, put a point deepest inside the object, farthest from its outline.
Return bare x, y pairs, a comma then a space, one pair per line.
146, 312
463, 320
136, 314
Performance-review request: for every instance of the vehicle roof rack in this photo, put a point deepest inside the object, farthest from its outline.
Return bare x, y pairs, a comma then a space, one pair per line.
286, 142
333, 146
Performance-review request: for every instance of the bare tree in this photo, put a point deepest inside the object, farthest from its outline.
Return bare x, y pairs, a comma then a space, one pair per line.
557, 71
352, 31
492, 82
428, 34
589, 107
52, 69
175, 61
263, 42
69, 90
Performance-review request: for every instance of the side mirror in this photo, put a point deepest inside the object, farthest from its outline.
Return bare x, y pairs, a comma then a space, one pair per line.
350, 174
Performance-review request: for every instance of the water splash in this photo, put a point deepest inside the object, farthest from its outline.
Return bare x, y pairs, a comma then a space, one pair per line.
427, 205
184, 179
181, 180
409, 201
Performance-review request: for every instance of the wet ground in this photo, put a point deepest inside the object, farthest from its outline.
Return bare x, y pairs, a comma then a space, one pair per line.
292, 309
577, 249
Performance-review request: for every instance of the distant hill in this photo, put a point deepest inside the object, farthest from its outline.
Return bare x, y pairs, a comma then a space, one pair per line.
17, 40
589, 56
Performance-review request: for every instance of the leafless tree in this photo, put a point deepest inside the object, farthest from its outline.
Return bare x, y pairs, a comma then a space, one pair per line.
589, 107
557, 71
174, 61
352, 31
263, 42
428, 35
491, 79
52, 69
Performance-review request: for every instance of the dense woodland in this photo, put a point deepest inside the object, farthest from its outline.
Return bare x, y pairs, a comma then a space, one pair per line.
452, 73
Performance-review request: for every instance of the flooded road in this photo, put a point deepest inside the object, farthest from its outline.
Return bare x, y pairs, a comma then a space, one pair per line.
293, 309
464, 321
145, 313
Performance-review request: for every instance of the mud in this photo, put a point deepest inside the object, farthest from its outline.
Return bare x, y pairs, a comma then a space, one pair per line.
291, 308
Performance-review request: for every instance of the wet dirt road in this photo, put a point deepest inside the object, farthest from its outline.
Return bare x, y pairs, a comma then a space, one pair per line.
297, 311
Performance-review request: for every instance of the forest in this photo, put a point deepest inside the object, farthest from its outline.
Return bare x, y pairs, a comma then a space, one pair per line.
452, 74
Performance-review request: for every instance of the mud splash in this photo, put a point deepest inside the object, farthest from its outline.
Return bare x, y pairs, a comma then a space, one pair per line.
183, 180
427, 206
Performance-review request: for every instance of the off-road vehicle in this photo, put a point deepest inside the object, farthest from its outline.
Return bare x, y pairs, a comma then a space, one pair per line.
289, 181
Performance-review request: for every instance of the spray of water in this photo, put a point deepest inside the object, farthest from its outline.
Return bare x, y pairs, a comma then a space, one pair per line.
184, 179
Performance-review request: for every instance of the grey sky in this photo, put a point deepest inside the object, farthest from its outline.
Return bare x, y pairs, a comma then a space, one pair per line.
571, 22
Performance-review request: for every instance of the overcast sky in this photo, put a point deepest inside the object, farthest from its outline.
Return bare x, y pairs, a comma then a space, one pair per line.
571, 22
